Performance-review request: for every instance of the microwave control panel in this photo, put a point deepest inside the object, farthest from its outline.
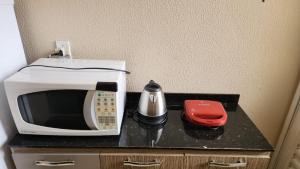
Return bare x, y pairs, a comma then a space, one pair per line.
105, 108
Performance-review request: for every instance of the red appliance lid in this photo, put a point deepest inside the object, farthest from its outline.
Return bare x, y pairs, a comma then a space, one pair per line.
205, 112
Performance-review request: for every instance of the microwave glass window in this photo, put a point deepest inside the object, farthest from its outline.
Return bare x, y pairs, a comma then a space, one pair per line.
55, 108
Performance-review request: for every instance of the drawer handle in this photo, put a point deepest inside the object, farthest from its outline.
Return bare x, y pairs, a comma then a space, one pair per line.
54, 163
141, 164
239, 163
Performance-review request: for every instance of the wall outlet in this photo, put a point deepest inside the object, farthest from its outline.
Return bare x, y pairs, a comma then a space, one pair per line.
65, 46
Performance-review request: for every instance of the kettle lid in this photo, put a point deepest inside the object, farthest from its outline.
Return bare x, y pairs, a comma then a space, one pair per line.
152, 87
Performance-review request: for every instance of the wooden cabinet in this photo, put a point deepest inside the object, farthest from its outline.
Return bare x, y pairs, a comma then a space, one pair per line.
34, 158
214, 161
146, 161
56, 161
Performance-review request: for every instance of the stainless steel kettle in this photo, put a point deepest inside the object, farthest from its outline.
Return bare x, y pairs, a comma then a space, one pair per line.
152, 105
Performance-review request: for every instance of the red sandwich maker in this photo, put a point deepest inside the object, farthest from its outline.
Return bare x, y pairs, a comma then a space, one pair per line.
205, 113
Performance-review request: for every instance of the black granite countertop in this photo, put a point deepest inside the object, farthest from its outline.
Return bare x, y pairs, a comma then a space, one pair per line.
239, 133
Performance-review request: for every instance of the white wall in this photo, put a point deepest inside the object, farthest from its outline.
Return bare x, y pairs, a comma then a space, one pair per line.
204, 46
11, 58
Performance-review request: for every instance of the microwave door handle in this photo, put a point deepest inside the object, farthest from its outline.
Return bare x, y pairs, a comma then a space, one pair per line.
89, 110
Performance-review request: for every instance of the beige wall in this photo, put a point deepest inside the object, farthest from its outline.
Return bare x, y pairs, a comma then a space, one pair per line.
203, 46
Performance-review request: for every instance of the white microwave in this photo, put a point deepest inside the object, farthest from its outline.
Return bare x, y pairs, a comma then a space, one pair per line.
70, 97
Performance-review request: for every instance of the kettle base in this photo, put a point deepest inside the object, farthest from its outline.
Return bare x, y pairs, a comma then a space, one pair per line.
150, 120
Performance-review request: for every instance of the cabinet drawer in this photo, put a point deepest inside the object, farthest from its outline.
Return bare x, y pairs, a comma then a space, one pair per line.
227, 161
145, 161
56, 161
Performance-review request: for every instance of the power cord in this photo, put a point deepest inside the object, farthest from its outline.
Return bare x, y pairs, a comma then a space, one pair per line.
61, 53
82, 68
58, 53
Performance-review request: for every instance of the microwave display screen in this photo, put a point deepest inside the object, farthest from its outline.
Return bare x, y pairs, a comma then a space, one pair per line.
54, 108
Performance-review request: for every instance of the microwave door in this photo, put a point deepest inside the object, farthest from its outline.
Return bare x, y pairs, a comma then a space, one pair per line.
89, 110
60, 109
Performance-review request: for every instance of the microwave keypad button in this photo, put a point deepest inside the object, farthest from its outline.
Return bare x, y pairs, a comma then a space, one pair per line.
106, 122
105, 108
112, 119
